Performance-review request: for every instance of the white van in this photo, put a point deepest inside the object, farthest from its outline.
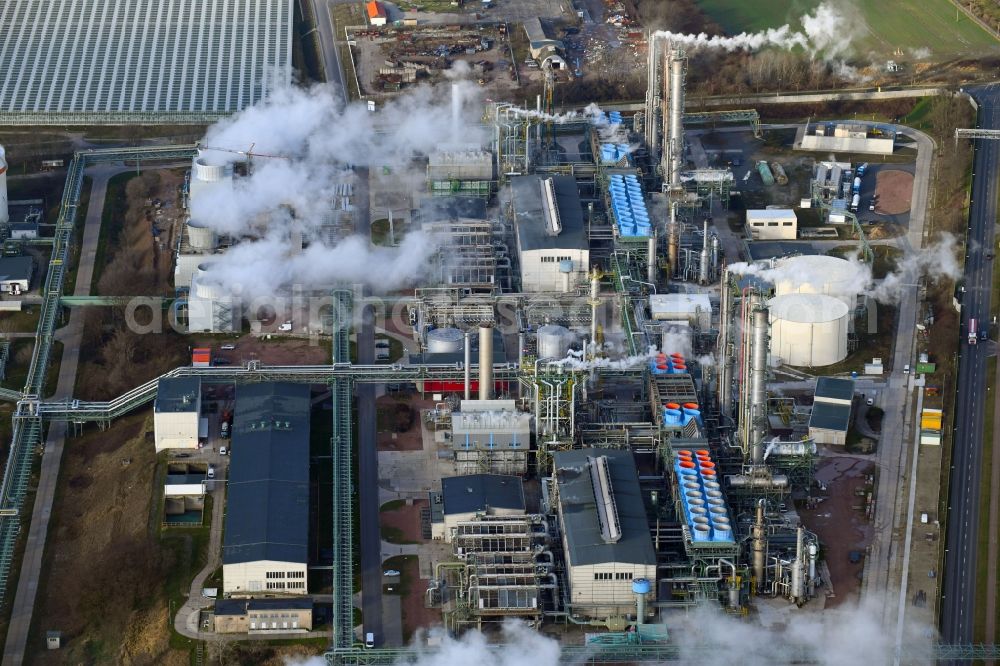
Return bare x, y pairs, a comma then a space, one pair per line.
211, 472
369, 640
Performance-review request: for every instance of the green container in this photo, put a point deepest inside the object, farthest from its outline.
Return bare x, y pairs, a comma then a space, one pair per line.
926, 368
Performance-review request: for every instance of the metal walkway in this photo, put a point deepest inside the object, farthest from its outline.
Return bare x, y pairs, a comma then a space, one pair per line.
27, 425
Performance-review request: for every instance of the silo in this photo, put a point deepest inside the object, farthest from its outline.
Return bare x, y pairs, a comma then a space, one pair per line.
445, 341
200, 236
819, 274
4, 214
808, 329
553, 341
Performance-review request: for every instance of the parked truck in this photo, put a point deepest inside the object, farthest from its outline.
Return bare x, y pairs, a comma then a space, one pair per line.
857, 185
972, 332
855, 202
862, 169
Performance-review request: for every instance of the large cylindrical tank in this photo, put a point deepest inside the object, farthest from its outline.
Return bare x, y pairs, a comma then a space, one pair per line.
4, 213
808, 329
445, 341
819, 274
206, 172
553, 341
200, 236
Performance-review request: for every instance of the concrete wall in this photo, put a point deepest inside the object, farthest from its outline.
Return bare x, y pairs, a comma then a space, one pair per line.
175, 430
251, 577
538, 273
279, 619
599, 596
824, 436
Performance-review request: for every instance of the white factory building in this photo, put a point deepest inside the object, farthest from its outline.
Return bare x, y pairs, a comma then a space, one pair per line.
490, 435
466, 498
552, 244
772, 224
808, 330
846, 138
694, 308
266, 542
605, 532
176, 413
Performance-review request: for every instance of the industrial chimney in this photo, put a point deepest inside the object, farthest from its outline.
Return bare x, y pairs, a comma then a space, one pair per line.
486, 361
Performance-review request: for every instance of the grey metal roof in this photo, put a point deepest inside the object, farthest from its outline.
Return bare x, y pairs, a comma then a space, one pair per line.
757, 250
835, 388
297, 603
16, 268
268, 499
475, 492
530, 221
830, 416
439, 209
578, 508
177, 394
182, 479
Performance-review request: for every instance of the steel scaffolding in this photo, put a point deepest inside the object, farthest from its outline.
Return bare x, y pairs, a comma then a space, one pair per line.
340, 453
34, 118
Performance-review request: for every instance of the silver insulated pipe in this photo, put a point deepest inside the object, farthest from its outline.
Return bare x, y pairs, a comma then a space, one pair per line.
652, 95
673, 240
725, 361
651, 264
715, 255
759, 535
797, 591
595, 294
758, 385
678, 72
486, 362
703, 266
468, 366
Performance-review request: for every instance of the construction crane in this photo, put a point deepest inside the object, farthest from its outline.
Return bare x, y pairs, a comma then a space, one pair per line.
249, 153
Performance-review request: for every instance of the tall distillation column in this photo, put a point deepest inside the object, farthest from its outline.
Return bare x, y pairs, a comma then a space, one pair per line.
758, 386
759, 541
673, 241
703, 267
673, 153
725, 357
652, 129
486, 361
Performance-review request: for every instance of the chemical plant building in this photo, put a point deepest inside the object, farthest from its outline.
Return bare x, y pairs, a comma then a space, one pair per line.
102, 56
831, 413
605, 533
846, 138
262, 616
265, 549
551, 240
773, 224
473, 497
177, 413
490, 435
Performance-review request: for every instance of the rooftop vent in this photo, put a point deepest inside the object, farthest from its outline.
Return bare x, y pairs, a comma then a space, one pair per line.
550, 210
604, 494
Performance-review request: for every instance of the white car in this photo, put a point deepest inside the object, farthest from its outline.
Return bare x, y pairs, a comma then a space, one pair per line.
211, 472
287, 326
870, 402
222, 451
390, 572
228, 347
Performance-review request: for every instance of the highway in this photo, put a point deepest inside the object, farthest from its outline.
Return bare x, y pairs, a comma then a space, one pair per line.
964, 499
328, 43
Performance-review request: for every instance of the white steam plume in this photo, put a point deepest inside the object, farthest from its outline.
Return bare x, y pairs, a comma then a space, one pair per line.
705, 636
825, 33
305, 141
937, 260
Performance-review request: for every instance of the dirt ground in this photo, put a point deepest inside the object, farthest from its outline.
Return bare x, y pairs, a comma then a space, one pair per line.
840, 522
102, 578
285, 351
894, 189
415, 614
411, 439
406, 519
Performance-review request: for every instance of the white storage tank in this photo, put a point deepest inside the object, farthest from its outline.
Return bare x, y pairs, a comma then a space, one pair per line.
820, 274
553, 341
4, 213
808, 329
200, 236
445, 341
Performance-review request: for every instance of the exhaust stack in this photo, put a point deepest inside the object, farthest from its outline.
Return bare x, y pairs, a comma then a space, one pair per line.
486, 362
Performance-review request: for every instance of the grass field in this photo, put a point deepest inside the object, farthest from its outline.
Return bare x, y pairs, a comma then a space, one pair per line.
888, 24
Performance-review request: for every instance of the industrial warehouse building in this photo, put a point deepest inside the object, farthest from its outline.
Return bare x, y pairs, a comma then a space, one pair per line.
262, 616
265, 549
15, 274
772, 224
464, 498
549, 228
605, 533
106, 56
176, 413
831, 412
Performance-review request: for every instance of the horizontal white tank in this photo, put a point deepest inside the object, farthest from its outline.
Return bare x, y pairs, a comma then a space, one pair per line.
445, 341
820, 274
200, 235
553, 341
808, 329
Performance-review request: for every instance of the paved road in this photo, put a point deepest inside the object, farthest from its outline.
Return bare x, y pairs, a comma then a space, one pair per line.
328, 43
371, 540
71, 336
964, 500
186, 620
